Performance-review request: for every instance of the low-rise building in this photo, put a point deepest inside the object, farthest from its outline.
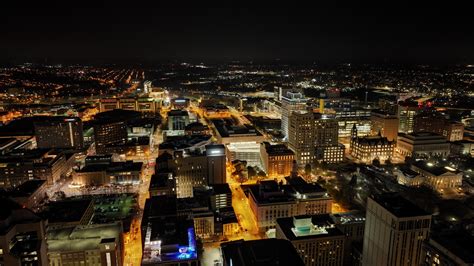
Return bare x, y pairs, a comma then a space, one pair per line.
436, 177
128, 172
368, 148
422, 145
408, 177
99, 244
29, 194
67, 213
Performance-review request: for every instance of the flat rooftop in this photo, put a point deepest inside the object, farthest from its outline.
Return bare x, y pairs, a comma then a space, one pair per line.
460, 244
265, 252
82, 238
399, 206
67, 210
26, 189
433, 169
308, 227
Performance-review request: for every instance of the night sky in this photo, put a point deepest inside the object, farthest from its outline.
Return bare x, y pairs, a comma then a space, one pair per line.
134, 31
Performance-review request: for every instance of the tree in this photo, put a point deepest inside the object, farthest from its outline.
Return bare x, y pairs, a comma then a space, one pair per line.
376, 162
307, 169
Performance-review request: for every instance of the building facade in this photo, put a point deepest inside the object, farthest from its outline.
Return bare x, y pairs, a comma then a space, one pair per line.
277, 160
309, 131
59, 132
315, 238
384, 123
291, 102
422, 145
368, 148
269, 201
395, 230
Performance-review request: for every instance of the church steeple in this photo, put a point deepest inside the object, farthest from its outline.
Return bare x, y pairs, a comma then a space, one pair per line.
354, 131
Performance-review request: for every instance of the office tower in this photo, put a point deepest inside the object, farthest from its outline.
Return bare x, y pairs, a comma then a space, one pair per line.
216, 164
22, 236
395, 230
110, 128
316, 238
406, 114
260, 252
109, 133
196, 168
277, 160
59, 132
368, 148
178, 120
384, 123
291, 102
309, 132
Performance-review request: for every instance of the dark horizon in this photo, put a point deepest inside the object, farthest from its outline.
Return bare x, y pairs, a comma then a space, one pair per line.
327, 34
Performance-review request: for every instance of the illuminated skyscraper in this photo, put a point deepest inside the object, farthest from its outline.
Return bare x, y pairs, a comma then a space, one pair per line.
292, 101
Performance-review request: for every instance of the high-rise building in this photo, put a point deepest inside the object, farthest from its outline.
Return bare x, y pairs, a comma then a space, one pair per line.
309, 131
386, 124
22, 236
216, 164
316, 239
406, 116
59, 132
395, 230
167, 238
291, 102
277, 160
109, 133
110, 128
198, 168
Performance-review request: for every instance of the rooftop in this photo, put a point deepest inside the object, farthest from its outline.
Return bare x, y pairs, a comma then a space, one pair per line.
265, 252
433, 169
81, 238
27, 188
460, 244
308, 227
399, 206
67, 210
